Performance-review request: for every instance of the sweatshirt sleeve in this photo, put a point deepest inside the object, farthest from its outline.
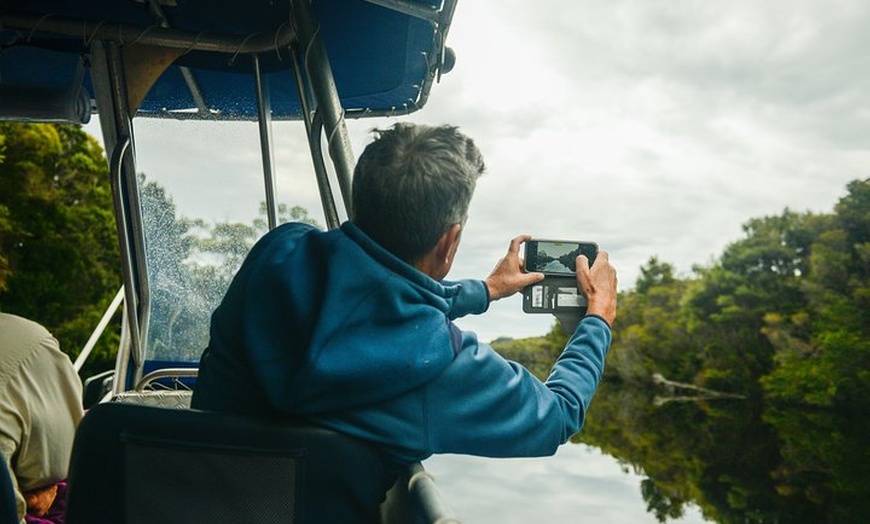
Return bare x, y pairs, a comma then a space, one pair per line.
486, 405
469, 297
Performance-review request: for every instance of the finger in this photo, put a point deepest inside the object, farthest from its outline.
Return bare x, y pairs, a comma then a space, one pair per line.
582, 264
534, 278
527, 279
514, 248
603, 255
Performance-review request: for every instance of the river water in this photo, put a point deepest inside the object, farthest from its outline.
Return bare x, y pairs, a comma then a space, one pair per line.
643, 458
578, 484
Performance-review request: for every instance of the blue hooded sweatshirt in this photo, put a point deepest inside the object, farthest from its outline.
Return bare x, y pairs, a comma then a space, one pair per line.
332, 327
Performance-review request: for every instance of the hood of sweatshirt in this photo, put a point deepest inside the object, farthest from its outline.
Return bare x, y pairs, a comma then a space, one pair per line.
331, 321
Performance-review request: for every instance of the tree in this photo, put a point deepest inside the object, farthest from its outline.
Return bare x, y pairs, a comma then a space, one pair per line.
823, 351
650, 333
537, 354
757, 276
190, 265
59, 261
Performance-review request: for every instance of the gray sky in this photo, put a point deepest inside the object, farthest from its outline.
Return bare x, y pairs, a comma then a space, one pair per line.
651, 127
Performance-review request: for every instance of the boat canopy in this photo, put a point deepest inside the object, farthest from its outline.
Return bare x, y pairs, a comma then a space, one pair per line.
197, 58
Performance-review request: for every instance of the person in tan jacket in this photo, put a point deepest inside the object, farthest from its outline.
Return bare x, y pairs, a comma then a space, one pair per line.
40, 408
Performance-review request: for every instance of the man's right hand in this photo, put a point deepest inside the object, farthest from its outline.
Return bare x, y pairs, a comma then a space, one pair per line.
598, 284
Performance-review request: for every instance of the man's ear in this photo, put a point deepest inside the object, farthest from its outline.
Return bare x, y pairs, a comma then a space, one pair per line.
448, 243
437, 262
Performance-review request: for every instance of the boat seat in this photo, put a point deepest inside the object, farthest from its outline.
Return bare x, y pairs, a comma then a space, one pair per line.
8, 511
135, 464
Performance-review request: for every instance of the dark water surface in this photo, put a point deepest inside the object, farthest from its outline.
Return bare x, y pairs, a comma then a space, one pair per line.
645, 458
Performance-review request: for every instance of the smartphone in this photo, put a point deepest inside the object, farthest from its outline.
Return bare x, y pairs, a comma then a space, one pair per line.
557, 257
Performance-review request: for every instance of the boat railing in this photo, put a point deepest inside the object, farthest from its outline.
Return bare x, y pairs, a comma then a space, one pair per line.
423, 489
99, 330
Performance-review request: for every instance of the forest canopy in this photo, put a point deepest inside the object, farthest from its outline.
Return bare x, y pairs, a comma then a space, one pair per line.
59, 260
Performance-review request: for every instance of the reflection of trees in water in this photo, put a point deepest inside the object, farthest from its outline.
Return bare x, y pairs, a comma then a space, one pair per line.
739, 461
568, 260
543, 259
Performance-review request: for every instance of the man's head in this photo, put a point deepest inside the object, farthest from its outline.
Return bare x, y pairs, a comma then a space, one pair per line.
413, 184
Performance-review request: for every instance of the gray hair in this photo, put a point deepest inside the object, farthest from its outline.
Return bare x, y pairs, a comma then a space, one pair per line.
411, 184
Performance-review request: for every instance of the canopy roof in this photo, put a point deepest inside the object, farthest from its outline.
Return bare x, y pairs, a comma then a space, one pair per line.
385, 54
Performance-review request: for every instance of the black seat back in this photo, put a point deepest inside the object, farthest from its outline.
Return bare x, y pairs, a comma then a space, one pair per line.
134, 464
8, 512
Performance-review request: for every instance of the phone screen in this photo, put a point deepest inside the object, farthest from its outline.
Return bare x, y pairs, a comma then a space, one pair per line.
556, 257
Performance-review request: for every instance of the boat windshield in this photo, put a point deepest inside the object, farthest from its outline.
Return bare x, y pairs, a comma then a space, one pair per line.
202, 212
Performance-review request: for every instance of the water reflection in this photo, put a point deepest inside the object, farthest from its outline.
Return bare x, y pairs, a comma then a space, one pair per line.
578, 484
638, 461
739, 461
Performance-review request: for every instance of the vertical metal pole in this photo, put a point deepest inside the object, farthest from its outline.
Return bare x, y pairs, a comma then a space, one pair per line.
327, 199
116, 168
316, 63
116, 124
313, 130
264, 111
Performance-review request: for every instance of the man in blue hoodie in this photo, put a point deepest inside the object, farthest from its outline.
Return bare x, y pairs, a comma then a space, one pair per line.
353, 328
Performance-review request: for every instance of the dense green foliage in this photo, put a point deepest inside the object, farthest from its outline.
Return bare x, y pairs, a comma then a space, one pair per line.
59, 262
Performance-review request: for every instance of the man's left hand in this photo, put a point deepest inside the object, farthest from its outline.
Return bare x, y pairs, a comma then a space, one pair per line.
508, 276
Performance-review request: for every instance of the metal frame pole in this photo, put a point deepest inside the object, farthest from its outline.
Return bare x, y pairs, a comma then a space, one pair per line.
264, 110
314, 132
117, 128
319, 73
